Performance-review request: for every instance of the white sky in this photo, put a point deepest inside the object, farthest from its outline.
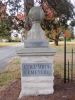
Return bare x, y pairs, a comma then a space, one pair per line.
73, 2
35, 4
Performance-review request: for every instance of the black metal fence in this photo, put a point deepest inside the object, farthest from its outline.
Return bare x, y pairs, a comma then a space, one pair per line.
69, 66
13, 74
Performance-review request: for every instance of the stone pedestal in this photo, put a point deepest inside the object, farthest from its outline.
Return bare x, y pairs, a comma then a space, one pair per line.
36, 60
37, 72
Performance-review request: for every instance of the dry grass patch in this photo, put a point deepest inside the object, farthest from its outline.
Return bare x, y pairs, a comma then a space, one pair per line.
3, 44
11, 74
13, 69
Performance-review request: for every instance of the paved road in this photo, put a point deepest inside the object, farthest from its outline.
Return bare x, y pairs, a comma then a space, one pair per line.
6, 53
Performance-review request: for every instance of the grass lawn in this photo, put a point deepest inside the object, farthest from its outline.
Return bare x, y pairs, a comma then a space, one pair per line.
3, 44
60, 48
13, 69
73, 40
11, 74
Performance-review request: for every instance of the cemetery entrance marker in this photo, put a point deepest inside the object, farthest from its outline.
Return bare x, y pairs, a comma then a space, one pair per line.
36, 69
36, 59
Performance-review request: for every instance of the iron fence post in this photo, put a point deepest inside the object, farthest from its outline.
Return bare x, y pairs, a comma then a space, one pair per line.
64, 59
72, 66
68, 72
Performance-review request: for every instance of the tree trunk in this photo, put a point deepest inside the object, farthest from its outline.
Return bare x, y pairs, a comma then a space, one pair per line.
42, 1
56, 40
27, 5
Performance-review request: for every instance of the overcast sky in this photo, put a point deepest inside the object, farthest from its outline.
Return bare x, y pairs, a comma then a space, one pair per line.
35, 3
73, 2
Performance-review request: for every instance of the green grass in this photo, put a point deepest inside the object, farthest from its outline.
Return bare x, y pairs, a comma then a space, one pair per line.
13, 69
3, 44
8, 77
73, 40
60, 48
12, 73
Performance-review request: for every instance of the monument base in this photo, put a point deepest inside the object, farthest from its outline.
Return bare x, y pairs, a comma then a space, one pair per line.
34, 86
37, 71
36, 59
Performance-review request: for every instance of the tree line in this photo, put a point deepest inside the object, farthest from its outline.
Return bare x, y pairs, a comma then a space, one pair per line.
57, 13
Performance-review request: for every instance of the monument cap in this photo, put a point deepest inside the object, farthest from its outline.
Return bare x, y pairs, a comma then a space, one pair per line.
36, 14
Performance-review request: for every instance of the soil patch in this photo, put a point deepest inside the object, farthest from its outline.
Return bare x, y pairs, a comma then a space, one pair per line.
62, 92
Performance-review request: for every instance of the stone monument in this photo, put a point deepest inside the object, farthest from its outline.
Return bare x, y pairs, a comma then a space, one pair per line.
36, 59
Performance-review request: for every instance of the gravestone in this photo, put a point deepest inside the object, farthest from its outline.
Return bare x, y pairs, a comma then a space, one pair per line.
36, 59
